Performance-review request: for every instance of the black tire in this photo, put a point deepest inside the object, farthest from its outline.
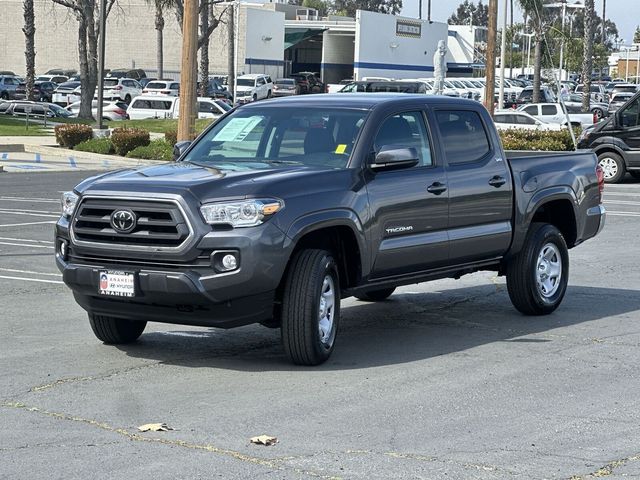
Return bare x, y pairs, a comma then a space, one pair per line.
255, 97
127, 99
269, 94
376, 295
4, 96
613, 167
301, 307
523, 270
116, 330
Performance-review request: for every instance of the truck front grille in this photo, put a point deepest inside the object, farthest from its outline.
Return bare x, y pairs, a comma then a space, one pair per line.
159, 224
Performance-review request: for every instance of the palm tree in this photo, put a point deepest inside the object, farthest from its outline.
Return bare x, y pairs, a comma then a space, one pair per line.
587, 63
160, 7
29, 30
533, 10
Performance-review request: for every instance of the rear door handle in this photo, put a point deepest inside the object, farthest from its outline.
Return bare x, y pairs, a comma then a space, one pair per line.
437, 188
497, 181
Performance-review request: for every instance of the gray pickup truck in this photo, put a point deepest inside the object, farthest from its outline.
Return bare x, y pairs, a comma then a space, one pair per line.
284, 207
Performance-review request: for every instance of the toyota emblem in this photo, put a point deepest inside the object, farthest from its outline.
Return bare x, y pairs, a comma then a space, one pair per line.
123, 221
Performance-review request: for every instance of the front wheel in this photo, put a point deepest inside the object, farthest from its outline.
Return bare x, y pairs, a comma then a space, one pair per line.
612, 166
310, 307
375, 295
127, 99
116, 331
537, 276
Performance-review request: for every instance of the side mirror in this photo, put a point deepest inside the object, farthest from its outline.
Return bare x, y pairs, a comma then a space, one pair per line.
394, 157
179, 148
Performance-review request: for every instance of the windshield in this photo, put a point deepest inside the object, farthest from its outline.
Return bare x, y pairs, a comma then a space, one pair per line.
246, 82
271, 137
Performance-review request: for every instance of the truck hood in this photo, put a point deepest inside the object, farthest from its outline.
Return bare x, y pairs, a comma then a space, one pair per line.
204, 183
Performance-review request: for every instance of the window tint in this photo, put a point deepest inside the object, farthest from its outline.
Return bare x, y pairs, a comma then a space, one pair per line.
548, 109
629, 115
463, 136
207, 107
175, 86
406, 130
503, 118
524, 120
531, 110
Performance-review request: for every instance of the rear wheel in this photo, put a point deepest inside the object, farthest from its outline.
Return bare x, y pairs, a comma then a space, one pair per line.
537, 276
127, 99
310, 307
376, 295
116, 331
612, 166
4, 96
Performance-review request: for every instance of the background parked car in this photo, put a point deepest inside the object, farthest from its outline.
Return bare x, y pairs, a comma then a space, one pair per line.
42, 91
207, 108
285, 87
135, 73
336, 87
52, 78
598, 93
8, 86
573, 102
308, 82
8, 73
111, 110
506, 119
145, 81
61, 71
526, 95
252, 87
67, 93
216, 89
125, 89
158, 106
617, 100
20, 108
162, 87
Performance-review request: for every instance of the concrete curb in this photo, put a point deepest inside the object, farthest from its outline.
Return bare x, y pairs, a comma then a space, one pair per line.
65, 152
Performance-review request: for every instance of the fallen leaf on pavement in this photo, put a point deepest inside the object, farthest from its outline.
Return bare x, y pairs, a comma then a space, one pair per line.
264, 440
154, 427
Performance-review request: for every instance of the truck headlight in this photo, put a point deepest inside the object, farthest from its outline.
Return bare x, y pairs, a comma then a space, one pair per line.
68, 202
246, 213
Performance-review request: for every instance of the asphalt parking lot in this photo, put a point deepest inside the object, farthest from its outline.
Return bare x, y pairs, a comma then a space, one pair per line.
445, 380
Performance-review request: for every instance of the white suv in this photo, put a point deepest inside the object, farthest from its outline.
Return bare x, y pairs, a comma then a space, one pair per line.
253, 86
125, 89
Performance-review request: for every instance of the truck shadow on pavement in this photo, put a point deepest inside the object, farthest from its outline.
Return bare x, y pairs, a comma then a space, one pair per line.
406, 328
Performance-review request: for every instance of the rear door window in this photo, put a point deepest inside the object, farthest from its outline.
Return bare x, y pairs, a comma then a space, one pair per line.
549, 110
464, 137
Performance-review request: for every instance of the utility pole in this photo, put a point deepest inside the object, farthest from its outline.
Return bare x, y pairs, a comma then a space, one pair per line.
490, 88
512, 38
503, 55
188, 72
101, 48
604, 20
231, 64
420, 9
428, 10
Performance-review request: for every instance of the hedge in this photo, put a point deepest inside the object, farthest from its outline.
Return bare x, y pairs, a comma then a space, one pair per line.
514, 139
126, 139
156, 150
71, 134
96, 145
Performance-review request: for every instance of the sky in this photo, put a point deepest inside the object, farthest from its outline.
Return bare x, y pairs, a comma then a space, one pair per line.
625, 13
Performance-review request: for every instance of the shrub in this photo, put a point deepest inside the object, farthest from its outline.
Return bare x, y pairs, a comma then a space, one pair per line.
156, 150
126, 139
71, 134
514, 139
171, 136
96, 145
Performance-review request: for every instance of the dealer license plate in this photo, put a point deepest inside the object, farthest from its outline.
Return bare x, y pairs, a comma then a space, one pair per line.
117, 283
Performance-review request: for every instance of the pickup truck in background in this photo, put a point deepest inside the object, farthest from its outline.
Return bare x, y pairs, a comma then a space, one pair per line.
553, 113
283, 208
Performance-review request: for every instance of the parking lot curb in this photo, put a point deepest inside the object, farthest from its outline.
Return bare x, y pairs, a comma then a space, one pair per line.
65, 152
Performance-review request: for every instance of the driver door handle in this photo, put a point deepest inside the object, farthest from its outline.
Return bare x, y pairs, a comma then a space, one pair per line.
437, 188
497, 181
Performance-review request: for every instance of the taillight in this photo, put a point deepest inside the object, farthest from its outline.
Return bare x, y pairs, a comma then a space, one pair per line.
119, 111
600, 176
595, 118
118, 87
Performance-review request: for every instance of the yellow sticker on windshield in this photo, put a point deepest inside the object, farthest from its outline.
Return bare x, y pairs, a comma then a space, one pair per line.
341, 148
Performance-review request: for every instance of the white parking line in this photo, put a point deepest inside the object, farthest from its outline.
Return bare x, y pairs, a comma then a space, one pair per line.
26, 240
27, 210
621, 202
10, 212
24, 245
623, 214
31, 279
13, 270
9, 197
21, 224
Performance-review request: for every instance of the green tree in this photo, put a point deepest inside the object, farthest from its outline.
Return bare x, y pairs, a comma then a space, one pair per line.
538, 22
468, 12
636, 35
320, 5
349, 7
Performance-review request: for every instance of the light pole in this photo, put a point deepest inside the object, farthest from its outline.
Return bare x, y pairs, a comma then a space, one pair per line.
101, 48
564, 5
503, 47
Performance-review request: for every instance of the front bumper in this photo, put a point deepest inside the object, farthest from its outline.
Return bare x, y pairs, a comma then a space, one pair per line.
182, 287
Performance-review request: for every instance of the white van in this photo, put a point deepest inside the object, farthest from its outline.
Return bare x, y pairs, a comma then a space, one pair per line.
155, 106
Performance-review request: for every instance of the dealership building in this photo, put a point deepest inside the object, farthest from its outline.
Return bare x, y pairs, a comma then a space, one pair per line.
273, 38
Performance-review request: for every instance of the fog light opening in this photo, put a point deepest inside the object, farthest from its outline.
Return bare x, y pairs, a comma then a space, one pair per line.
229, 262
63, 249
226, 261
